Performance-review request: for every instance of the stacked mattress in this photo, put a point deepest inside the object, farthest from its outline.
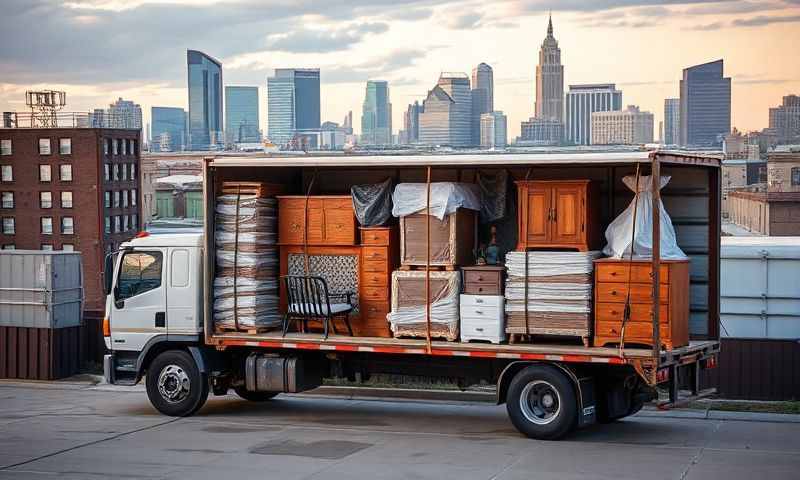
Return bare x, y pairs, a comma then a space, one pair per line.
408, 316
559, 293
246, 283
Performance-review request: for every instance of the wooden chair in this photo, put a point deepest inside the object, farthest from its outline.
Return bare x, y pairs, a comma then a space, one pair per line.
308, 299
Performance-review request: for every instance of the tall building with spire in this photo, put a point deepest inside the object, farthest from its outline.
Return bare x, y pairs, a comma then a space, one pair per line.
550, 79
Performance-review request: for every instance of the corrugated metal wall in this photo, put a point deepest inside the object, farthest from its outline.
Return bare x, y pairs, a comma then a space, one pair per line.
39, 353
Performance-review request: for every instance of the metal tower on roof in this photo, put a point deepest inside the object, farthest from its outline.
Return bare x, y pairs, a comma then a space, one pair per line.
44, 104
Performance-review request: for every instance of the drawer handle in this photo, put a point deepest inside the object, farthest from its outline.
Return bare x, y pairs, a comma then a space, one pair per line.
375, 279
613, 292
480, 289
480, 278
479, 329
478, 300
295, 226
613, 274
374, 237
613, 312
479, 312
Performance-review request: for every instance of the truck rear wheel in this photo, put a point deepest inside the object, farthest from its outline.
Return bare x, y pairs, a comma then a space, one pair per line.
541, 403
175, 385
254, 396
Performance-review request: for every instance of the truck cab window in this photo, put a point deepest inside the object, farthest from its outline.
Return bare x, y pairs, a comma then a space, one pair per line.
140, 273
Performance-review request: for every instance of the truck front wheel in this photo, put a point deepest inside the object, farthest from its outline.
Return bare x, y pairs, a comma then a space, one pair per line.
175, 385
541, 403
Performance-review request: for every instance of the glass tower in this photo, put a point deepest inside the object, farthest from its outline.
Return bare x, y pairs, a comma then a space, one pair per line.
167, 129
582, 101
376, 116
705, 115
293, 105
205, 100
241, 114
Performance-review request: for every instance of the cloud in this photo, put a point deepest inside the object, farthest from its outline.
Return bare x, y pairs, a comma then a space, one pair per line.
410, 14
464, 20
320, 41
749, 79
541, 6
706, 26
764, 20
385, 67
724, 8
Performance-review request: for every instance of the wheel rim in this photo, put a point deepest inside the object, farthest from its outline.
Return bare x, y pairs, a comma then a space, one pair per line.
540, 402
173, 384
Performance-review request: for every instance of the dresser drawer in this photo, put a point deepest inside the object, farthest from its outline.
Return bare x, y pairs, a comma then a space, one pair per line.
374, 236
492, 314
483, 276
375, 253
640, 293
618, 272
373, 311
633, 331
640, 312
374, 293
478, 329
375, 266
482, 289
375, 279
483, 300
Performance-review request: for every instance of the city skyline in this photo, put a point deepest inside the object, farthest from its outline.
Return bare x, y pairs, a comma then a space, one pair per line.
669, 39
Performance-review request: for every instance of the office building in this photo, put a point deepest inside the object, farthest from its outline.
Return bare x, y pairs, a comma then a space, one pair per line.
332, 136
582, 101
482, 96
241, 114
493, 130
541, 131
124, 114
205, 101
347, 124
71, 189
376, 114
411, 123
549, 79
627, 127
705, 115
672, 121
784, 120
168, 129
447, 113
293, 107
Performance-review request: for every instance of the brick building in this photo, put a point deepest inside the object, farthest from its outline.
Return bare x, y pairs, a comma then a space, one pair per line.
70, 189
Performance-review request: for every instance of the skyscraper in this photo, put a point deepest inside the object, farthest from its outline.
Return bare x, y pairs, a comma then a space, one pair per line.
493, 130
705, 115
347, 124
125, 114
411, 122
293, 105
582, 101
550, 79
784, 120
205, 100
627, 127
672, 121
447, 112
376, 114
168, 129
241, 114
482, 97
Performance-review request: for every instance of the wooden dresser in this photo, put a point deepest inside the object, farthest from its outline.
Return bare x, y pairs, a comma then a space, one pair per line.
379, 257
610, 292
331, 220
483, 279
558, 214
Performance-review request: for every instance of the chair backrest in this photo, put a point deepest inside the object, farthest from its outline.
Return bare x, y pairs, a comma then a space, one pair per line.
307, 295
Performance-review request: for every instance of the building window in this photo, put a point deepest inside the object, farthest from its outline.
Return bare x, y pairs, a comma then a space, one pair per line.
106, 148
133, 171
45, 200
125, 199
6, 173
66, 173
795, 176
9, 246
125, 223
44, 146
8, 226
67, 225
116, 224
44, 173
115, 145
66, 199
134, 221
7, 200
116, 199
67, 247
108, 224
47, 225
47, 247
134, 146
5, 147
133, 197
65, 146
124, 168
107, 172
116, 172
107, 199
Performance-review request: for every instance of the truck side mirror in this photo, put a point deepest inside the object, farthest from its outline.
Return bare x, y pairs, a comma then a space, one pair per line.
108, 272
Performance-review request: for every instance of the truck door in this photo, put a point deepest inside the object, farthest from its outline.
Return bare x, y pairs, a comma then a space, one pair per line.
139, 310
182, 296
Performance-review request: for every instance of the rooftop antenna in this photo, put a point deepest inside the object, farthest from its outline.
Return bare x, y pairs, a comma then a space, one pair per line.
44, 104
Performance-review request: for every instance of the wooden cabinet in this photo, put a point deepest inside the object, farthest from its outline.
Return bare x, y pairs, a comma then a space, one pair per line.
615, 278
558, 214
378, 259
483, 279
331, 220
452, 239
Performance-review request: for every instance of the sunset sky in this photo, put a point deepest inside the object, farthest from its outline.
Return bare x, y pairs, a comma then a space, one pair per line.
98, 50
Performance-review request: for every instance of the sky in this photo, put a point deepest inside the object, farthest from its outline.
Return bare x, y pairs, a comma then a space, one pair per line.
99, 50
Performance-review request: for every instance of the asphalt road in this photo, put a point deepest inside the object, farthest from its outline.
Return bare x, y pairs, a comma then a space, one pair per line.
55, 431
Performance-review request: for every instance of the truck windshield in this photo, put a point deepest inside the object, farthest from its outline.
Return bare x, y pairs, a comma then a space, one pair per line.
140, 272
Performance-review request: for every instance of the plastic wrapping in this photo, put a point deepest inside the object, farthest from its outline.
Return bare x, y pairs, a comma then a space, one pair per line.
446, 198
619, 232
372, 203
494, 193
245, 259
408, 316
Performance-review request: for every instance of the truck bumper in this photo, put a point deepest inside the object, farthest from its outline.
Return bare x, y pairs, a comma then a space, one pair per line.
108, 368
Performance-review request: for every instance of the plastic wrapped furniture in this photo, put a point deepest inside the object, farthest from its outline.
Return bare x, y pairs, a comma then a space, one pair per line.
372, 203
408, 317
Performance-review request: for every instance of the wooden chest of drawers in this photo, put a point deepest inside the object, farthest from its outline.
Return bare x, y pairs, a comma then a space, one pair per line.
331, 220
452, 239
483, 279
611, 290
558, 214
378, 260
482, 318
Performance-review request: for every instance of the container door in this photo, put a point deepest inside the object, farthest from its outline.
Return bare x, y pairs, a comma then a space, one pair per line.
139, 310
182, 296
568, 208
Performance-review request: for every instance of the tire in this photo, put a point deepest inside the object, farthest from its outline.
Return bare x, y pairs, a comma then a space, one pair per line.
254, 396
166, 373
542, 403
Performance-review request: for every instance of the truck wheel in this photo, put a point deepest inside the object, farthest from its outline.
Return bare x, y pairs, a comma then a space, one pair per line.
254, 396
175, 386
541, 403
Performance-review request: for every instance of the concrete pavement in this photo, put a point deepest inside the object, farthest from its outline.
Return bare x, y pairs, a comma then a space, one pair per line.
81, 432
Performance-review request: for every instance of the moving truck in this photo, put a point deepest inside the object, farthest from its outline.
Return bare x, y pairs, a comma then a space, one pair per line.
163, 331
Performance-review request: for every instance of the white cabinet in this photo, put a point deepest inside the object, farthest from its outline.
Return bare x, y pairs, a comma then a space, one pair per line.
482, 318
